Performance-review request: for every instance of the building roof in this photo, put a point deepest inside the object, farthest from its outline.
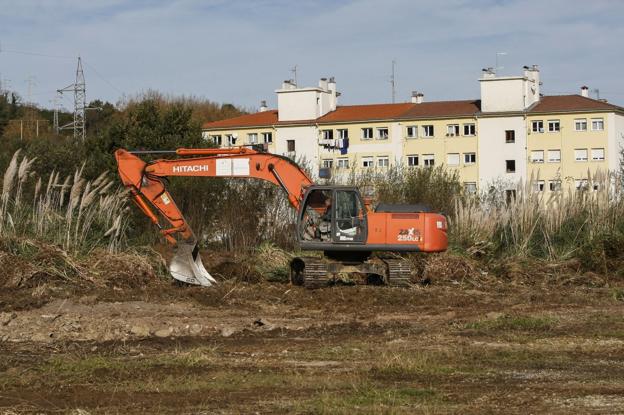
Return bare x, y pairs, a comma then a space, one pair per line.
437, 109
258, 119
434, 109
344, 113
571, 103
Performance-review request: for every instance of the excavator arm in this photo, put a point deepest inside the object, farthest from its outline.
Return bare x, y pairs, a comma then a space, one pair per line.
146, 183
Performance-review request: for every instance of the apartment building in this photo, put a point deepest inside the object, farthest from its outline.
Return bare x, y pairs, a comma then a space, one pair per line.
511, 134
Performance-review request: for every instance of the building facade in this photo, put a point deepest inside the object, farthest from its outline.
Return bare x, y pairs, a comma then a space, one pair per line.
511, 135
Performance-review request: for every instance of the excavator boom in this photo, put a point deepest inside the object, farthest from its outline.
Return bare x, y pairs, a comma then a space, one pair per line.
148, 190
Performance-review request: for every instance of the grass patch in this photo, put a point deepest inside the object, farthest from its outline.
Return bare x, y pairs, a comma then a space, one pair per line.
403, 366
618, 294
371, 398
522, 323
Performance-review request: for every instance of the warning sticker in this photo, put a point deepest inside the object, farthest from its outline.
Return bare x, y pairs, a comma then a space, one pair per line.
165, 199
240, 167
224, 167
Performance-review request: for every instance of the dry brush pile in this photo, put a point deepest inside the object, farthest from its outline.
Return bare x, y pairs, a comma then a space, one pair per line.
67, 229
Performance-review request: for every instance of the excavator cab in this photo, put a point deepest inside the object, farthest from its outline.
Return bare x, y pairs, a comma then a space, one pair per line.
331, 215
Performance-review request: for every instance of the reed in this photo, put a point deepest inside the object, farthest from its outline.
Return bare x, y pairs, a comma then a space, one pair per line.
74, 213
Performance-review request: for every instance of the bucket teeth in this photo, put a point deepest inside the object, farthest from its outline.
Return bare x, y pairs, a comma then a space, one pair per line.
186, 266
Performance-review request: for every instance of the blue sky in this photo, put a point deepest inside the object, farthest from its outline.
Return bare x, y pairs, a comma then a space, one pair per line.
240, 51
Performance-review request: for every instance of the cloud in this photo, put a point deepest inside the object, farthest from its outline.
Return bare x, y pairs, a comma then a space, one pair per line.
240, 51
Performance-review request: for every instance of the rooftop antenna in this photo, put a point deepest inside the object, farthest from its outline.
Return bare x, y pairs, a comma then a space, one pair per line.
597, 92
393, 81
496, 68
294, 72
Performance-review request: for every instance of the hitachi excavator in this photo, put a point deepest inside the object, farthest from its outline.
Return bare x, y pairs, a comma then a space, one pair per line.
332, 219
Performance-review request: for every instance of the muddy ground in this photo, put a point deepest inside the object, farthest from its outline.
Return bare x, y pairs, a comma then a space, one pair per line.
451, 347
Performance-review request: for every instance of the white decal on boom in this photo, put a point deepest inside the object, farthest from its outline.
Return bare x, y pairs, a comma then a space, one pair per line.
189, 169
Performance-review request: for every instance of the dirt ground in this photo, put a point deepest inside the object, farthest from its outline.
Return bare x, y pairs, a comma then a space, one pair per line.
451, 347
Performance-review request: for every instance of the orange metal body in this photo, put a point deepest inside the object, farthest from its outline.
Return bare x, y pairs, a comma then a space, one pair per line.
406, 231
425, 231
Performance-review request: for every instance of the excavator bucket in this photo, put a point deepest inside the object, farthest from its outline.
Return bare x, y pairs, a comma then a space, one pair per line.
186, 266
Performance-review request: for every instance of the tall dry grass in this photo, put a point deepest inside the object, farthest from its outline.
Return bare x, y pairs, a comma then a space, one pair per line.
71, 212
586, 223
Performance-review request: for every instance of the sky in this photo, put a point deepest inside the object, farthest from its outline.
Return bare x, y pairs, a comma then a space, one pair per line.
239, 52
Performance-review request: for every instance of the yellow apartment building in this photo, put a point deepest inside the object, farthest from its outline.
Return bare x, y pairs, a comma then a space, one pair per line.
510, 135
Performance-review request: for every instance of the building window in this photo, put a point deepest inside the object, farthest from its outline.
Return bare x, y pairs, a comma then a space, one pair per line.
383, 161
252, 138
382, 133
328, 134
553, 126
412, 160
470, 129
452, 159
538, 186
343, 163
328, 163
510, 166
427, 131
510, 136
470, 158
597, 124
597, 154
428, 160
537, 126
452, 130
367, 162
367, 133
412, 131
470, 187
231, 139
580, 154
290, 146
554, 156
216, 139
343, 134
554, 185
537, 156
580, 184
267, 137
580, 124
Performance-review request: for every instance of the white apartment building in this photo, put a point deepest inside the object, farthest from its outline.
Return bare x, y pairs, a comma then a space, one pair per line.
509, 135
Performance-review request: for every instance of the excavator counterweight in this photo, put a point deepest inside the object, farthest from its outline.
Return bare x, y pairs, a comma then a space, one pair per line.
332, 219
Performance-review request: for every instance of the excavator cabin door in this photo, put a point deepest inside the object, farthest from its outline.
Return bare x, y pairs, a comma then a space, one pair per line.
333, 215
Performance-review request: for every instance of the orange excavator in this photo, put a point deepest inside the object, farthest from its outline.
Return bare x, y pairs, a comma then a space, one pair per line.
332, 219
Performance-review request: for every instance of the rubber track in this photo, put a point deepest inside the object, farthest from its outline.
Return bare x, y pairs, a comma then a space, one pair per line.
315, 273
399, 272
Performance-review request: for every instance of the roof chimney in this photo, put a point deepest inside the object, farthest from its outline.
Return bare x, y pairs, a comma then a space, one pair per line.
333, 99
417, 97
263, 106
323, 84
289, 84
489, 73
584, 91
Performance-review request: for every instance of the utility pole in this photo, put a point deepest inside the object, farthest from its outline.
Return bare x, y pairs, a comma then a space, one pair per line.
30, 81
57, 102
392, 82
79, 90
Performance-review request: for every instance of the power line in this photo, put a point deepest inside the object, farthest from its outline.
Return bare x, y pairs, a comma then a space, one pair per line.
21, 52
102, 78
